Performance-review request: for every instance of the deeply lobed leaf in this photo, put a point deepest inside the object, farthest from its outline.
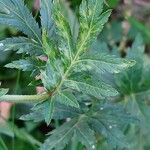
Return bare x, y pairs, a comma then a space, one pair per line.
15, 13
67, 75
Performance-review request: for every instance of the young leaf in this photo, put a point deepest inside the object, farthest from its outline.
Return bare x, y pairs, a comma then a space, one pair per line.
61, 18
51, 76
92, 21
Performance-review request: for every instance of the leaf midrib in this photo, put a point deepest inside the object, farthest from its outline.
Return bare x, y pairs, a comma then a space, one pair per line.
72, 64
74, 126
60, 93
84, 136
21, 43
58, 141
80, 82
69, 40
74, 61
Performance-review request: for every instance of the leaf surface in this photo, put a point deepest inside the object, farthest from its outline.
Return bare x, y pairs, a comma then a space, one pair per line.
15, 13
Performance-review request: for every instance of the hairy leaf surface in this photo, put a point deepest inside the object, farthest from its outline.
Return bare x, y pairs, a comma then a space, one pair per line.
102, 63
21, 45
15, 13
46, 16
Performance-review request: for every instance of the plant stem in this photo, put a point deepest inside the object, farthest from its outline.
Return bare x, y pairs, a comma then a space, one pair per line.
24, 98
42, 97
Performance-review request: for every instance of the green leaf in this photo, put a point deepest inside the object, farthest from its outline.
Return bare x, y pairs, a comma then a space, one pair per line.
113, 136
29, 64
137, 49
49, 46
37, 114
128, 80
50, 76
46, 16
62, 135
61, 111
92, 21
67, 98
103, 63
137, 104
141, 27
3, 145
105, 119
65, 31
49, 110
108, 120
25, 65
97, 88
12, 130
15, 13
85, 135
71, 75
21, 45
3, 91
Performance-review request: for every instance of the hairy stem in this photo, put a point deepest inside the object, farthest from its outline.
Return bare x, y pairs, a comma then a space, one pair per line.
24, 98
42, 97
